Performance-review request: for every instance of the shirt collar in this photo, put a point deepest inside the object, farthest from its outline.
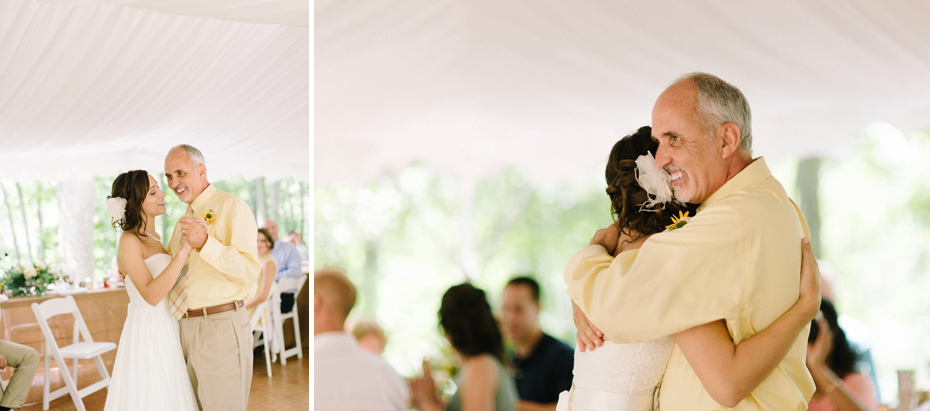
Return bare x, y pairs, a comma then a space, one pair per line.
202, 199
752, 174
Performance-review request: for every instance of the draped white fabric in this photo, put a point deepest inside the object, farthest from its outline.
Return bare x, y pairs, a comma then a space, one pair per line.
286, 12
469, 86
96, 89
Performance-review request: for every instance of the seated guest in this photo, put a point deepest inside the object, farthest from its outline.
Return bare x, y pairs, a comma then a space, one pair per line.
288, 259
345, 376
832, 363
294, 237
26, 362
370, 336
483, 382
269, 269
858, 334
542, 364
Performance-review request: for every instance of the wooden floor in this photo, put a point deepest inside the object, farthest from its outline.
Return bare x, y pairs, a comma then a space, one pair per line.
288, 389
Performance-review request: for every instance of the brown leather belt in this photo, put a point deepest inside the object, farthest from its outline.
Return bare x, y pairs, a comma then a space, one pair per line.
216, 309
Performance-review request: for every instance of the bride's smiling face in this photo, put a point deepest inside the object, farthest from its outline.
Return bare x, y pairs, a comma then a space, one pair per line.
154, 203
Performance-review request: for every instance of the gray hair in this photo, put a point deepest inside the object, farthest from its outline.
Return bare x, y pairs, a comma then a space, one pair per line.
719, 102
192, 152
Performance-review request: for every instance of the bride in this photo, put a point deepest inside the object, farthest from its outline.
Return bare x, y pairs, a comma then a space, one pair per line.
625, 377
150, 372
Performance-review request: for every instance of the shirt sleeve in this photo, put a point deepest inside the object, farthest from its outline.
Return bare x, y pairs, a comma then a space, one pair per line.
290, 266
237, 260
677, 280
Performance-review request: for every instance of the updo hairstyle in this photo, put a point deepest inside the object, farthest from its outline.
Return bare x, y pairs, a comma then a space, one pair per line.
134, 187
627, 196
466, 317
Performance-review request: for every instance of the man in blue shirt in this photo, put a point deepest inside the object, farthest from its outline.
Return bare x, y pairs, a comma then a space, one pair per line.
288, 259
542, 364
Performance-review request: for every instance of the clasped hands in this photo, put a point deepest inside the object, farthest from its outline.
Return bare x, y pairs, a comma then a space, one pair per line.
194, 231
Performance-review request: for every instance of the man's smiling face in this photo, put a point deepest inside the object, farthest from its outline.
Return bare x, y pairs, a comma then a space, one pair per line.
184, 178
694, 162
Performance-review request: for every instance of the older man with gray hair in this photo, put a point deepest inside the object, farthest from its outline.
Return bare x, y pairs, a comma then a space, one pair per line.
735, 262
221, 273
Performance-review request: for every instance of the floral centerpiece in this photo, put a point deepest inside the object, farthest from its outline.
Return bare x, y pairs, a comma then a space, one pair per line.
32, 279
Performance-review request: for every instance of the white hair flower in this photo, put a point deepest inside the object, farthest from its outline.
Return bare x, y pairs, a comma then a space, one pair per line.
654, 180
116, 208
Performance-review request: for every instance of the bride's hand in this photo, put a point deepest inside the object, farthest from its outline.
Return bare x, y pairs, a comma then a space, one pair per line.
423, 389
607, 237
185, 246
588, 336
809, 294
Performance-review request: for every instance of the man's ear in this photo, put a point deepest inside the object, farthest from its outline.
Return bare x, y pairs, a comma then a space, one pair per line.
317, 303
729, 135
203, 171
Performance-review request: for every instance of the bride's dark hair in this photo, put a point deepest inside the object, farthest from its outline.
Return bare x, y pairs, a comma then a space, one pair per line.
134, 187
626, 195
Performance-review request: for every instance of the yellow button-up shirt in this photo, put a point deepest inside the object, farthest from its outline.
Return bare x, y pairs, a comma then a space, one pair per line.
738, 259
226, 268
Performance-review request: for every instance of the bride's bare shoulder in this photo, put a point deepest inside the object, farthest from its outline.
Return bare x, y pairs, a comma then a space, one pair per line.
129, 242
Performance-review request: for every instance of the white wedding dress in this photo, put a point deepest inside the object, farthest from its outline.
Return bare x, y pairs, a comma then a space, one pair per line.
617, 377
150, 372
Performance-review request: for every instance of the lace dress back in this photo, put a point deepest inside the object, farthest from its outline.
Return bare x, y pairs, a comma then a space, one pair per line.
618, 377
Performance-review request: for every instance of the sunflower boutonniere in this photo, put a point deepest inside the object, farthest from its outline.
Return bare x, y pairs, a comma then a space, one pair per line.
209, 216
678, 222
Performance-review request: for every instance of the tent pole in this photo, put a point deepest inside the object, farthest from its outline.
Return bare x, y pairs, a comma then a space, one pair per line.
9, 214
22, 211
808, 185
41, 252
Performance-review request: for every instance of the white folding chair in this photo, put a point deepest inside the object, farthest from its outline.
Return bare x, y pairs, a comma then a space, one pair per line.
77, 350
288, 284
258, 331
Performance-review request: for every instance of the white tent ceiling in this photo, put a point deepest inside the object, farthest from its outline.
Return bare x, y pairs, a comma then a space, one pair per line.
469, 86
92, 88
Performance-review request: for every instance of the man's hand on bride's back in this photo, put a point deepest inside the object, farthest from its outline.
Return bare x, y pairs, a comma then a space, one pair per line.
608, 238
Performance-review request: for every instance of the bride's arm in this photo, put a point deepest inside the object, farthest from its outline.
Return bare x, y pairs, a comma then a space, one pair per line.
129, 260
731, 372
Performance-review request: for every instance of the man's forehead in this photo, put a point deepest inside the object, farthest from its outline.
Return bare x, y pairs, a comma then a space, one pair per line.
172, 167
520, 289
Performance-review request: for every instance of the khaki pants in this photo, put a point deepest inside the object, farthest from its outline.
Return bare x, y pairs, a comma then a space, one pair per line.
218, 350
26, 362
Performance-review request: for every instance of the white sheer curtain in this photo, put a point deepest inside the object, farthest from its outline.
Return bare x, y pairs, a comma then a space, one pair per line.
76, 200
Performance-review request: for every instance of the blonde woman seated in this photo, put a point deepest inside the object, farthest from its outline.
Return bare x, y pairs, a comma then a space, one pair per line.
370, 336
